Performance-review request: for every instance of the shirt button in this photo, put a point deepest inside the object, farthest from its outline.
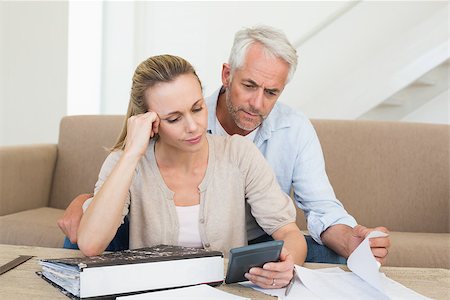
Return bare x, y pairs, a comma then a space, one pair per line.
207, 245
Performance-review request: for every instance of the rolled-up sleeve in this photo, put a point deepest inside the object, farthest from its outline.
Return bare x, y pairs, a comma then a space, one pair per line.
312, 189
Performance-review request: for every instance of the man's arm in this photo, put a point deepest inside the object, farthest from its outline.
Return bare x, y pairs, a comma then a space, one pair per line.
70, 221
278, 274
328, 221
343, 240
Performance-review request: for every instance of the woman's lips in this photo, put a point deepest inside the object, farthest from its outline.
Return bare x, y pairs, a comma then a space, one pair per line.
195, 140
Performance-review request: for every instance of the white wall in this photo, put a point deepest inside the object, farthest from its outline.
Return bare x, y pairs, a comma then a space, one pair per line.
435, 111
2, 76
34, 47
201, 32
85, 39
33, 71
368, 54
119, 54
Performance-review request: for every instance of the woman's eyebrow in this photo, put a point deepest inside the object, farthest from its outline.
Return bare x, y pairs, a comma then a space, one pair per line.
196, 102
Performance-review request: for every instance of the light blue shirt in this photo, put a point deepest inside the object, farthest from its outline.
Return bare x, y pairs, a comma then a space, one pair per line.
290, 144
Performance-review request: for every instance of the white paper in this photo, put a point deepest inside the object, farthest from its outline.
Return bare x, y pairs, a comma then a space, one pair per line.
364, 282
298, 290
397, 291
363, 263
200, 292
344, 285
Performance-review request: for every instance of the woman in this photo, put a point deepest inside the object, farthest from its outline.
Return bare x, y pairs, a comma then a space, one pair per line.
181, 186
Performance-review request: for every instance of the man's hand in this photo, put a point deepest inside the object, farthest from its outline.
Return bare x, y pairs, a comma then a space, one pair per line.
343, 240
273, 275
70, 221
379, 245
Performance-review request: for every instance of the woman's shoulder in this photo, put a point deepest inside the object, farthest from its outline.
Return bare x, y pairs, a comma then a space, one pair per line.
114, 155
235, 148
232, 142
111, 159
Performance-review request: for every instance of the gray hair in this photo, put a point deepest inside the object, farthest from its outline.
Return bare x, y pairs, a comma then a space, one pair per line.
274, 42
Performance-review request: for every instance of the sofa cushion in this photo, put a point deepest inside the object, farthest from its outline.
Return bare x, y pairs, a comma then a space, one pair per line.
26, 174
34, 227
434, 250
82, 148
416, 249
390, 174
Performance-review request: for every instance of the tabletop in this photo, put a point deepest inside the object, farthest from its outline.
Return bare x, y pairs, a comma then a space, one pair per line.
22, 282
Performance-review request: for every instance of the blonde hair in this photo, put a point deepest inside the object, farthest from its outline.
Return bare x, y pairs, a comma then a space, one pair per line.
156, 69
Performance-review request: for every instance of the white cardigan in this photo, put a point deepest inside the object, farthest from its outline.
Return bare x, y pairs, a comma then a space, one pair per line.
238, 182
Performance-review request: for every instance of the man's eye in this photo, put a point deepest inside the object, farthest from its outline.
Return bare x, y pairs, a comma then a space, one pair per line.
249, 86
271, 93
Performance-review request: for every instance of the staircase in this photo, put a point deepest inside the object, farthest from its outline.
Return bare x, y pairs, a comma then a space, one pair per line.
417, 94
376, 60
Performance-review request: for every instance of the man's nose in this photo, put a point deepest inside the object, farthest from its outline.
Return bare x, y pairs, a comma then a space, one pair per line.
257, 100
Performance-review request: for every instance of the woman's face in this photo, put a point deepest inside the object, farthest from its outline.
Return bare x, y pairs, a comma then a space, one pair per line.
182, 110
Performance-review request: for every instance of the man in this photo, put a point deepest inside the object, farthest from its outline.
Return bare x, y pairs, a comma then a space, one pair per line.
261, 63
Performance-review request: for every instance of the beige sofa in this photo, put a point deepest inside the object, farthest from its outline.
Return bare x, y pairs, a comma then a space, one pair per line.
385, 173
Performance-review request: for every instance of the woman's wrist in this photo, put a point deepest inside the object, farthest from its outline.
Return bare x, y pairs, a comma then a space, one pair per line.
131, 157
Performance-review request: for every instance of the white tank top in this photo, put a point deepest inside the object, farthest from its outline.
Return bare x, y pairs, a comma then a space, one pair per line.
189, 233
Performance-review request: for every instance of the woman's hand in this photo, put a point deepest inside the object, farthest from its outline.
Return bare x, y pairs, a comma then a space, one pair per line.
273, 275
140, 128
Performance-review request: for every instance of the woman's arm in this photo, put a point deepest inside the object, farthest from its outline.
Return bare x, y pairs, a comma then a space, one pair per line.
294, 242
279, 274
274, 212
102, 218
100, 221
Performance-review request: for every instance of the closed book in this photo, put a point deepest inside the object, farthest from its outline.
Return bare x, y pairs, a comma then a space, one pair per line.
131, 271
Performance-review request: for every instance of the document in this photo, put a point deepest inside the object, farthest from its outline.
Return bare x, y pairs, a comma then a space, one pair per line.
363, 263
298, 290
197, 292
363, 282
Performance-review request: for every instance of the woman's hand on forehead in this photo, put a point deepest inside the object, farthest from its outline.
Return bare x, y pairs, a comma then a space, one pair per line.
140, 128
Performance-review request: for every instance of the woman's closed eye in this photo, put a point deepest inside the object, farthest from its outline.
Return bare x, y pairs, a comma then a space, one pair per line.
173, 120
197, 109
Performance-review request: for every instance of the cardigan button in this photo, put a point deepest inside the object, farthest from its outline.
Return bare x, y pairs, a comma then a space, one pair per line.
207, 245
202, 220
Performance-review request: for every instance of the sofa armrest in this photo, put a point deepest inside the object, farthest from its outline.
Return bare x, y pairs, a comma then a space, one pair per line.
26, 174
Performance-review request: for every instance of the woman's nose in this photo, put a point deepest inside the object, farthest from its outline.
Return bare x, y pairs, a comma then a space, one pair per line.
191, 124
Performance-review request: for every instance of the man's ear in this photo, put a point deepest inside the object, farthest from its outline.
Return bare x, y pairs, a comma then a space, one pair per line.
226, 72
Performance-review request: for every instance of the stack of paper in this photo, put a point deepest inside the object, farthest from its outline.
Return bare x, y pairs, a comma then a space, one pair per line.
364, 282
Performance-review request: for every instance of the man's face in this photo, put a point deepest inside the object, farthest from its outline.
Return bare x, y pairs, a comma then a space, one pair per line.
254, 88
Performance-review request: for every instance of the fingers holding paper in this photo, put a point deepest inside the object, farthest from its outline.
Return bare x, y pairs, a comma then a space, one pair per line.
378, 245
273, 275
